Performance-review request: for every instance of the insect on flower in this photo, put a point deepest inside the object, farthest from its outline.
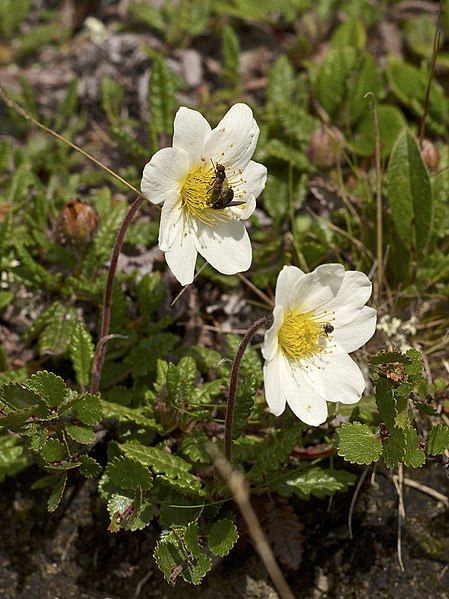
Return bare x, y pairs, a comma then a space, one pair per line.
318, 319
208, 186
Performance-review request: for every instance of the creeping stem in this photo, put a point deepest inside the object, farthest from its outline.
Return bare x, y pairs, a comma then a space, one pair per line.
100, 350
264, 321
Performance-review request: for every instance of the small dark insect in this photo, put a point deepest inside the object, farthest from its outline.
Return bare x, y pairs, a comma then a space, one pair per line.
327, 329
222, 193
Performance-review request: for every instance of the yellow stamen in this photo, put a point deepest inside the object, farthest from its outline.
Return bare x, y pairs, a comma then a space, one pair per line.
196, 194
299, 335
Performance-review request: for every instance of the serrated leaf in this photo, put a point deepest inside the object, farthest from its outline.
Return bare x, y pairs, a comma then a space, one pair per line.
175, 469
331, 82
57, 332
284, 532
57, 493
150, 293
85, 436
222, 536
270, 458
194, 447
231, 55
414, 456
89, 467
244, 402
111, 98
17, 396
81, 353
409, 193
129, 512
438, 440
53, 451
174, 559
12, 458
315, 481
357, 444
394, 448
161, 98
126, 473
87, 408
38, 439
349, 33
50, 386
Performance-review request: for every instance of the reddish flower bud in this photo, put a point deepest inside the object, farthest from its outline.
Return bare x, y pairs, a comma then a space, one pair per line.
78, 221
325, 147
430, 154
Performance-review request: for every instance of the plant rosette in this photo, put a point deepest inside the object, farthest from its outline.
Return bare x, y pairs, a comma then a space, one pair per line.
208, 186
318, 319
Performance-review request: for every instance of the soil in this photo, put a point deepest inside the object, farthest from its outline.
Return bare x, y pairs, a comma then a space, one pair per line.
71, 554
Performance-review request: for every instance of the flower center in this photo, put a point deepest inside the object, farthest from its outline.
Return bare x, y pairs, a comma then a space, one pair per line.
196, 194
299, 335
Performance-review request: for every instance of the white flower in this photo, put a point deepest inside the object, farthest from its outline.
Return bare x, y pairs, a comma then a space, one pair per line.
182, 178
319, 318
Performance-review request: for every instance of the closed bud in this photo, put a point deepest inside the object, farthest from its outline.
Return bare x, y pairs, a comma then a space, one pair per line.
78, 222
430, 154
325, 147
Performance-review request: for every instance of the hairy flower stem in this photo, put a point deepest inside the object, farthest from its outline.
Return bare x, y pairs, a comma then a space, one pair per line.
100, 350
264, 321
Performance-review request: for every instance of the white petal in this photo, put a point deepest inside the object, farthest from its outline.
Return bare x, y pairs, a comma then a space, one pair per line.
226, 245
250, 183
302, 398
274, 372
181, 257
233, 141
353, 294
190, 132
245, 210
336, 377
287, 279
271, 344
172, 218
355, 334
164, 174
315, 290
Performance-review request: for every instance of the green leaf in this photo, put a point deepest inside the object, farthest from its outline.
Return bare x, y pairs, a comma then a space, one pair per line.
150, 293
438, 440
129, 512
18, 396
409, 193
394, 448
57, 333
175, 469
6, 298
349, 33
82, 435
231, 55
222, 537
414, 456
50, 386
194, 447
53, 451
314, 481
175, 559
244, 402
161, 98
270, 459
385, 402
111, 98
87, 408
126, 473
57, 493
89, 467
38, 439
391, 123
147, 14
12, 458
81, 353
357, 444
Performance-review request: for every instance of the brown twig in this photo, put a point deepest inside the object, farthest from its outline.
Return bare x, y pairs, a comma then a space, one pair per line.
100, 350
255, 289
354, 499
239, 490
379, 223
265, 320
436, 46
